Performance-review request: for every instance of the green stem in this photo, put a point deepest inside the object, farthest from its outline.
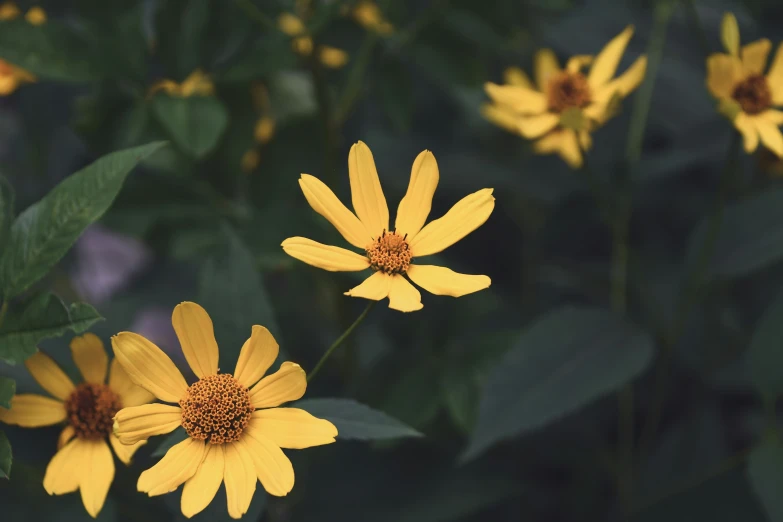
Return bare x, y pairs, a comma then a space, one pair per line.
690, 5
340, 340
3, 311
256, 14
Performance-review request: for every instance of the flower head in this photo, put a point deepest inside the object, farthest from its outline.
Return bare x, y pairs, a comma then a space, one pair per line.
745, 95
367, 14
235, 428
83, 460
565, 105
302, 43
196, 84
389, 253
11, 77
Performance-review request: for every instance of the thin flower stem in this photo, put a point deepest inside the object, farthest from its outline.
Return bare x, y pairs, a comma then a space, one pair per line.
690, 5
326, 110
355, 82
340, 340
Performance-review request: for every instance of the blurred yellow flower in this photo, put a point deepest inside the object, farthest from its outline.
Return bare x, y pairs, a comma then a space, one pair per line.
9, 11
745, 95
250, 160
390, 253
248, 450
11, 77
197, 84
36, 16
83, 460
368, 15
565, 105
264, 130
302, 44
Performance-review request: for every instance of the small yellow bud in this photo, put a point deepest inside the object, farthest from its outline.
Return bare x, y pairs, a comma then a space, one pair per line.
36, 16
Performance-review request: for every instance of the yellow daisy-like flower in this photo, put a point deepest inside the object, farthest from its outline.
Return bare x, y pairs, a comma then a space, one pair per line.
745, 95
35, 15
302, 44
367, 14
83, 460
9, 11
235, 428
390, 253
564, 106
12, 77
196, 84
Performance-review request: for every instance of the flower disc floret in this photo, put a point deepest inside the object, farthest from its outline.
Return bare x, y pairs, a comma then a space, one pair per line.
216, 409
91, 409
390, 253
567, 90
753, 94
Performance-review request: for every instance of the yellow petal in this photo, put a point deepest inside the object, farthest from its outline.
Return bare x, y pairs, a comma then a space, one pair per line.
729, 34
33, 411
64, 470
197, 338
773, 116
290, 24
366, 193
177, 465
257, 355
578, 62
750, 135
516, 76
608, 59
327, 257
240, 478
90, 357
272, 467
323, 201
439, 280
49, 375
333, 57
545, 65
770, 135
501, 116
403, 296
149, 367
536, 126
96, 475
375, 287
519, 99
570, 151
121, 384
417, 203
65, 436
625, 83
124, 452
775, 77
142, 422
202, 487
463, 218
755, 54
723, 74
286, 384
293, 428
585, 140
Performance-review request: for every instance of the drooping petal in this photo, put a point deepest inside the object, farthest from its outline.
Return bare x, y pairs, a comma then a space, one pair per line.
90, 357
750, 136
463, 218
536, 126
501, 116
65, 469
33, 411
272, 467
366, 193
775, 77
121, 384
324, 201
326, 257
124, 452
240, 478
417, 203
754, 55
545, 65
257, 355
197, 337
202, 487
773, 116
293, 428
519, 99
65, 436
577, 62
403, 296
286, 384
149, 367
770, 135
439, 280
177, 465
518, 77
606, 62
723, 74
49, 375
624, 84
375, 287
570, 151
142, 422
96, 475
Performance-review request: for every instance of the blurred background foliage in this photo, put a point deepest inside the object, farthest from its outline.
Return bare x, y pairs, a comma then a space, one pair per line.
514, 387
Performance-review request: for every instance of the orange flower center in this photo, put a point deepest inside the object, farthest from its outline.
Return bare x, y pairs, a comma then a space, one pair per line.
390, 253
566, 90
216, 409
91, 408
753, 94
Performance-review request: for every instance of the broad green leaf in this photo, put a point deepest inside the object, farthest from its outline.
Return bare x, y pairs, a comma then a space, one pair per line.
355, 421
43, 233
175, 437
765, 472
5, 456
565, 360
396, 93
194, 123
460, 396
43, 316
7, 391
764, 356
6, 211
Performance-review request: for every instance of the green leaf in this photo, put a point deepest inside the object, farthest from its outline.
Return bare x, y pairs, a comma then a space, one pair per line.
565, 360
396, 93
6, 210
355, 421
268, 56
7, 391
5, 456
175, 437
764, 356
41, 317
765, 472
43, 233
194, 123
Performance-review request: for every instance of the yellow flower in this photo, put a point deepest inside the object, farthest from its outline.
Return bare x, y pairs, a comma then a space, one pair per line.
11, 77
197, 84
264, 130
565, 105
36, 16
250, 160
83, 460
368, 15
302, 44
8, 11
745, 95
389, 254
235, 429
